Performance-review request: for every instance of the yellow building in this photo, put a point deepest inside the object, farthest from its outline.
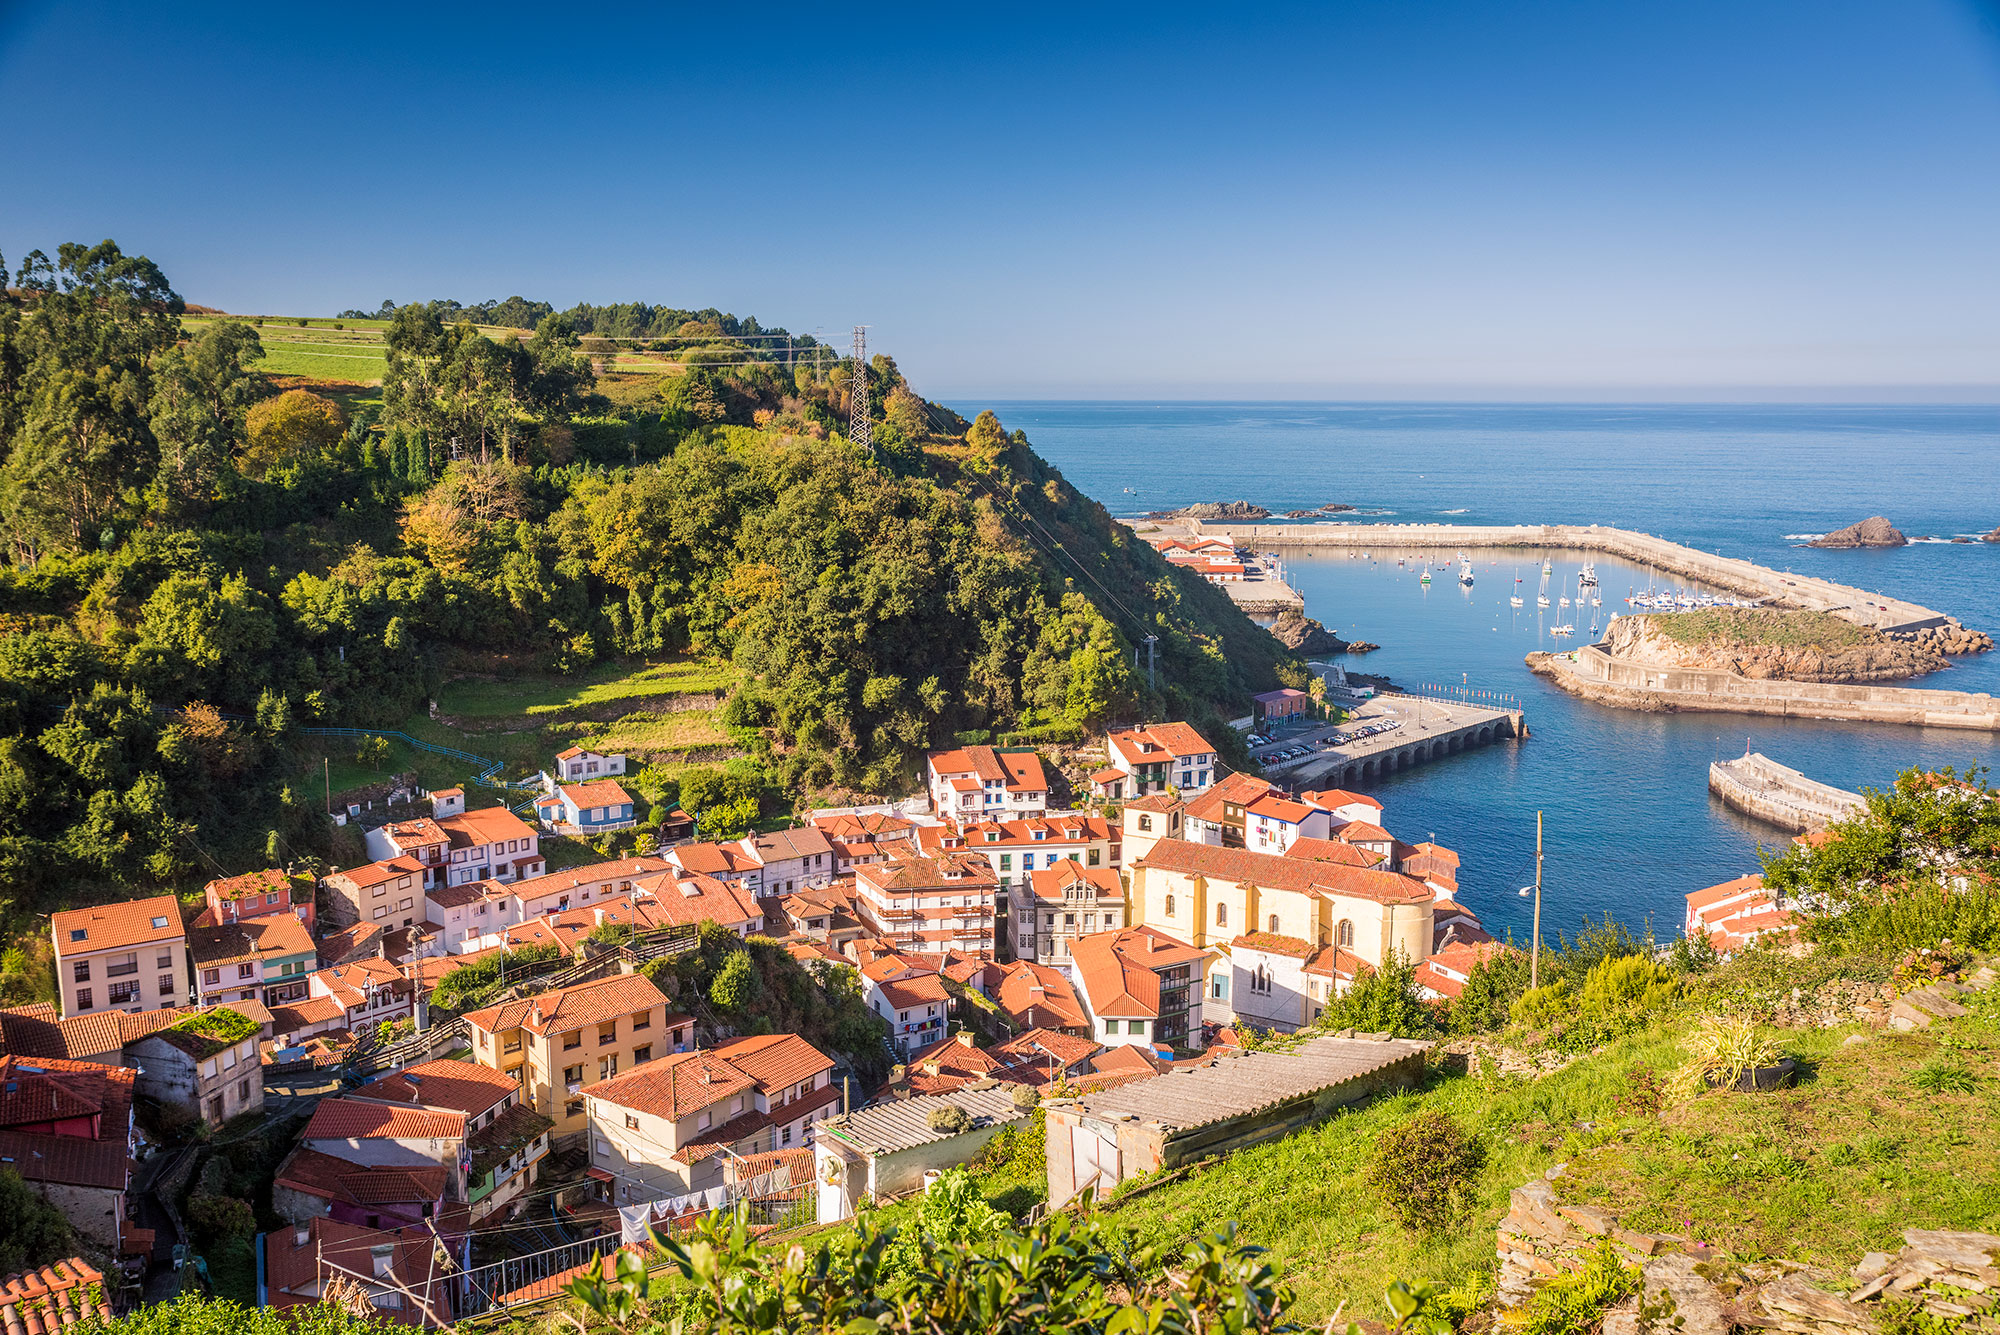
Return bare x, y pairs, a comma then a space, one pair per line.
1208, 896
557, 1044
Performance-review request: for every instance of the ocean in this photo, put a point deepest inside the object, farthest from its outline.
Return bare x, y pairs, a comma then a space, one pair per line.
1631, 827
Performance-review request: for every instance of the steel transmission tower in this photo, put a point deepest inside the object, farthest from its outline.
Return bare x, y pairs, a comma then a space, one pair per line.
858, 430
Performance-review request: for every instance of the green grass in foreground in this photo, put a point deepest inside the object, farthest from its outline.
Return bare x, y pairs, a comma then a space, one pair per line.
498, 697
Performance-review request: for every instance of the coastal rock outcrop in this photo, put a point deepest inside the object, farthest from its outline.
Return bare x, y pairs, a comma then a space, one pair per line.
1303, 635
1950, 639
1875, 531
1994, 536
1769, 646
1214, 510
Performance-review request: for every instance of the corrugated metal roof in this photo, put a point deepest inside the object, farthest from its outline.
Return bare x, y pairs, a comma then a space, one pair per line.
889, 1127
1237, 1086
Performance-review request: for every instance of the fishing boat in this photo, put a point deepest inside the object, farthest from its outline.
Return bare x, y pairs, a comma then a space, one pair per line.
1586, 578
1546, 570
1426, 578
1563, 601
1564, 629
1465, 570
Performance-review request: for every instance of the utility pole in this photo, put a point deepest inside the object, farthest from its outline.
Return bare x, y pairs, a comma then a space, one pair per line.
857, 394
1535, 950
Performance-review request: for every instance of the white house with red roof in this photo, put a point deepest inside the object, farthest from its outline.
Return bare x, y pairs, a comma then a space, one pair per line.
859, 835
1140, 987
458, 847
121, 957
976, 782
1063, 903
665, 1129
1443, 974
1345, 806
1160, 756
1271, 823
1735, 913
1016, 848
587, 808
910, 996
946, 902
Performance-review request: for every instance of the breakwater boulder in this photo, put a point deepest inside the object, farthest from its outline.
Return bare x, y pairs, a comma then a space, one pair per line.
1994, 536
1874, 531
1229, 510
1303, 635
1950, 639
1767, 645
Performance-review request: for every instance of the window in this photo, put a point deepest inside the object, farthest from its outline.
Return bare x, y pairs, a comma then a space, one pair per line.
644, 1054
1145, 821
786, 1138
1274, 924
573, 1108
83, 971
1006, 862
379, 891
607, 1066
405, 904
1260, 980
1345, 935
607, 1033
573, 1075
604, 1147
704, 1122
631, 1122
572, 1039
1094, 854
643, 1020
166, 985
165, 961
243, 1090
1222, 915
1170, 906
246, 971
123, 993
1219, 987
382, 912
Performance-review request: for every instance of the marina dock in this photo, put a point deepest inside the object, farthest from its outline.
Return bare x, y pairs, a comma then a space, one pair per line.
1745, 578
1426, 728
1759, 786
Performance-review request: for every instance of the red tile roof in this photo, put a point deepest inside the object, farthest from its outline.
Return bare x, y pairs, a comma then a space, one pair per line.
1332, 850
1034, 1048
948, 873
1150, 745
280, 936
251, 883
488, 825
682, 899
1716, 894
466, 1087
1331, 798
1234, 789
1263, 869
1272, 807
1037, 995
568, 1008
136, 922
1051, 882
599, 793
1125, 1058
72, 1160
1120, 970
712, 859
1362, 831
925, 989
1271, 943
352, 1119
674, 1086
1018, 771
774, 1061
55, 1297
305, 1014
331, 1178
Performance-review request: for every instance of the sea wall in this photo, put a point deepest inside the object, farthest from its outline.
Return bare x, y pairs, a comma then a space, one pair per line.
1758, 786
1747, 578
1593, 674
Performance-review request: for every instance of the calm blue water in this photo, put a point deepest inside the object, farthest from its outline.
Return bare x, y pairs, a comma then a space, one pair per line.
1631, 827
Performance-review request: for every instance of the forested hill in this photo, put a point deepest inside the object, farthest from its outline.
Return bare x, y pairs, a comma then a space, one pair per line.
204, 562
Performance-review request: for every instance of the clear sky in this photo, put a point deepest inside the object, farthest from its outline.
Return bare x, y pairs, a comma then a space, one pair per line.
1404, 199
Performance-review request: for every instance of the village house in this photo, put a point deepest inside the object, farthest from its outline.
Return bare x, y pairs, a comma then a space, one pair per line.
377, 1135
397, 1271
253, 959
1014, 848
930, 903
1272, 823
368, 993
507, 1139
1445, 971
561, 1041
1282, 983
576, 765
456, 846
1280, 706
1217, 815
1036, 996
1735, 913
587, 808
121, 957
978, 782
205, 1064
258, 894
1038, 1058
35, 1030
1158, 757
909, 995
667, 1128
683, 900
725, 862
1063, 902
66, 1129
384, 895
1147, 820
1140, 986
861, 836
788, 860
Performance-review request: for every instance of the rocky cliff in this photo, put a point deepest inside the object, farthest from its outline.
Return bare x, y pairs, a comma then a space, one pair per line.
1770, 646
1307, 637
1874, 531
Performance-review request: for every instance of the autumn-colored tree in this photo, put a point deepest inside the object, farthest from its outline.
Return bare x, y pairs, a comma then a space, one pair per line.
455, 524
296, 423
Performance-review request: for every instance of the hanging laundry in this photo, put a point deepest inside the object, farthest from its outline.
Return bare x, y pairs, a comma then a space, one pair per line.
632, 1223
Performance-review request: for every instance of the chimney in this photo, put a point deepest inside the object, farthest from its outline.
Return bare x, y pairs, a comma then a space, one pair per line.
965, 1038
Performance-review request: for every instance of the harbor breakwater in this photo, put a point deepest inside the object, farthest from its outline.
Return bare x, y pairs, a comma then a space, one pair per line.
1759, 786
1745, 578
1592, 674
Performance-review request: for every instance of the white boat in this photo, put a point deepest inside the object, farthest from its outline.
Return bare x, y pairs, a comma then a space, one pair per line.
1563, 601
1564, 629
1426, 579
1587, 577
1515, 600
1465, 570
1595, 601
1546, 569
1541, 600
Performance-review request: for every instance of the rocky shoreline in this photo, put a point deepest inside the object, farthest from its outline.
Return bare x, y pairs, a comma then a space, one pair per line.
1303, 635
1796, 648
1243, 510
1874, 531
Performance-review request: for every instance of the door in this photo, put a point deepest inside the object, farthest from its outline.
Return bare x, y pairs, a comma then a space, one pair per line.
1094, 1151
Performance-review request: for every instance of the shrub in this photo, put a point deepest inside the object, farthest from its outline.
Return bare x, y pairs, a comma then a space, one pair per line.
1024, 1096
36, 1232
1634, 982
220, 1216
1541, 1007
1383, 1000
736, 986
1427, 1170
1573, 1303
1946, 1073
948, 1118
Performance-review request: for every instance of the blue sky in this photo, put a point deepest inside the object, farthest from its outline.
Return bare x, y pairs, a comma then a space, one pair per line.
1398, 199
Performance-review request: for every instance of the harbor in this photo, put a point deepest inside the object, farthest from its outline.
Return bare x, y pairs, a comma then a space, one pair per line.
1394, 731
1759, 786
1758, 583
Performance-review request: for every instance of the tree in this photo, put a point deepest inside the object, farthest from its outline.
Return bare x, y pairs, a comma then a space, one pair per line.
295, 424
202, 392
736, 987
36, 1231
372, 752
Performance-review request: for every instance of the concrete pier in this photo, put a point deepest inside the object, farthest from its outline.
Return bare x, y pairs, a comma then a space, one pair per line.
1759, 786
1427, 728
1746, 578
